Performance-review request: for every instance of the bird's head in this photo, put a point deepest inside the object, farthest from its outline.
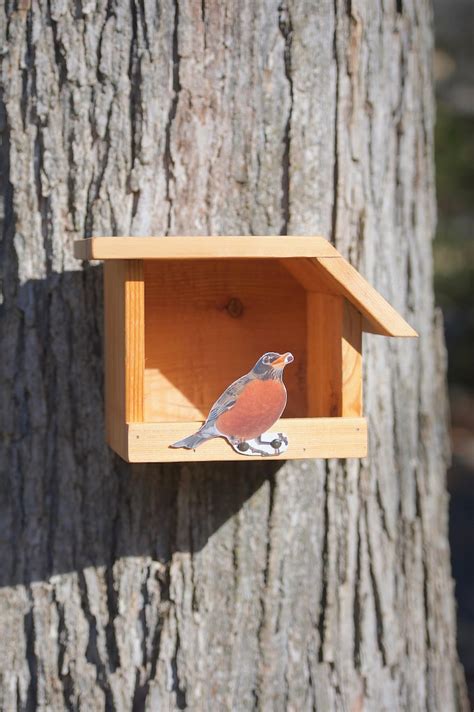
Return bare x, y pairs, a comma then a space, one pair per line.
271, 364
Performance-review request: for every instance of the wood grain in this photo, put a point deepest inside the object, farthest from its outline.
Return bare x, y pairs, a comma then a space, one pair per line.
382, 316
337, 276
351, 354
202, 247
134, 340
208, 322
124, 347
324, 367
312, 260
114, 355
309, 276
308, 438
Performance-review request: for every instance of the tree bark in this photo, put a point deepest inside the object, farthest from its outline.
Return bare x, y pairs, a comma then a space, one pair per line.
270, 586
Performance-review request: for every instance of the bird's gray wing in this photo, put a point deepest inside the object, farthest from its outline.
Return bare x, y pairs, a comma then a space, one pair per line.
227, 400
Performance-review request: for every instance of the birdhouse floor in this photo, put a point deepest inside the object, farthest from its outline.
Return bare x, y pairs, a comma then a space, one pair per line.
308, 438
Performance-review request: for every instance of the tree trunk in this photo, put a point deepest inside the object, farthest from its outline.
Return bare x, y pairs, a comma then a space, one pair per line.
271, 586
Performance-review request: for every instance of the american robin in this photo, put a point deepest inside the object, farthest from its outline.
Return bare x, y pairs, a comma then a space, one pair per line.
248, 407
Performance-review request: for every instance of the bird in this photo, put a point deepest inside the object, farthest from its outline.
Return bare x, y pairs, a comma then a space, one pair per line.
248, 407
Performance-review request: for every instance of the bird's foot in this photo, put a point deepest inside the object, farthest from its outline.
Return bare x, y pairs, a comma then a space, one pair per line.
265, 445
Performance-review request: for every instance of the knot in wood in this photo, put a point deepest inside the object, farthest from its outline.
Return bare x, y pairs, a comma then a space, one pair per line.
234, 307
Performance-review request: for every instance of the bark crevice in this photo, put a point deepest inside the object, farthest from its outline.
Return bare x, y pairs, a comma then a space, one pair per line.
335, 181
31, 658
168, 161
286, 29
377, 599
325, 567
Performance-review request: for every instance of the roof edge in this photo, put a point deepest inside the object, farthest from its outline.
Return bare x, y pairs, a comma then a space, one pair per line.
204, 247
380, 316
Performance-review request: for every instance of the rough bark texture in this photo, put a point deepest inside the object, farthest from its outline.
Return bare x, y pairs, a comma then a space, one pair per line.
263, 586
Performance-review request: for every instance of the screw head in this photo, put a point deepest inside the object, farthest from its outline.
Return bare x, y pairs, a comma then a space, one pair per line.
243, 447
276, 444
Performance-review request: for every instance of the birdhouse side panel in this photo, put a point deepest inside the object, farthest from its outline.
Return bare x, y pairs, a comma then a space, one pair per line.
352, 403
334, 357
124, 348
325, 319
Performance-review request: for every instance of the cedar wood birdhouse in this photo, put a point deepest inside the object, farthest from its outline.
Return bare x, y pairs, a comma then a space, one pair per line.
186, 316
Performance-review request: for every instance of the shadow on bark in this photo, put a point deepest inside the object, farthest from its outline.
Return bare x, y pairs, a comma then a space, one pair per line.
67, 501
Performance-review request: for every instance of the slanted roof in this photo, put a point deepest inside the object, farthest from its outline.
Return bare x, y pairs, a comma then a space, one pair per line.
311, 260
340, 277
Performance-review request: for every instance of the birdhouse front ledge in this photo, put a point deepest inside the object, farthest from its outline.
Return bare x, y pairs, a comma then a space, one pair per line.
185, 316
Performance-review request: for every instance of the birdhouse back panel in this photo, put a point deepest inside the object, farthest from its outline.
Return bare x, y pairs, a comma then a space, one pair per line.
207, 322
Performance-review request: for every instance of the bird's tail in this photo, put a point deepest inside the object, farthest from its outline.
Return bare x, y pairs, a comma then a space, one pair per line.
192, 441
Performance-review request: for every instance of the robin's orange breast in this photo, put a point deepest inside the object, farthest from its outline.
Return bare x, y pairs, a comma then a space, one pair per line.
257, 408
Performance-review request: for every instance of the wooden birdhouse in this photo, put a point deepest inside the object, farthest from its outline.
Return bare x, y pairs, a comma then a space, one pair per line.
186, 316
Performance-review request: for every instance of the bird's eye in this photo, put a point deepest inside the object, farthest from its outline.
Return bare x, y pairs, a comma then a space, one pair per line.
266, 359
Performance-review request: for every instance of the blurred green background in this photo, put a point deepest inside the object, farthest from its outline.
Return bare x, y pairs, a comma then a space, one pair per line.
454, 286
454, 245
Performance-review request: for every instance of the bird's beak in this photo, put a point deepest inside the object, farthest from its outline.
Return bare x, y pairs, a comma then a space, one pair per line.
282, 360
